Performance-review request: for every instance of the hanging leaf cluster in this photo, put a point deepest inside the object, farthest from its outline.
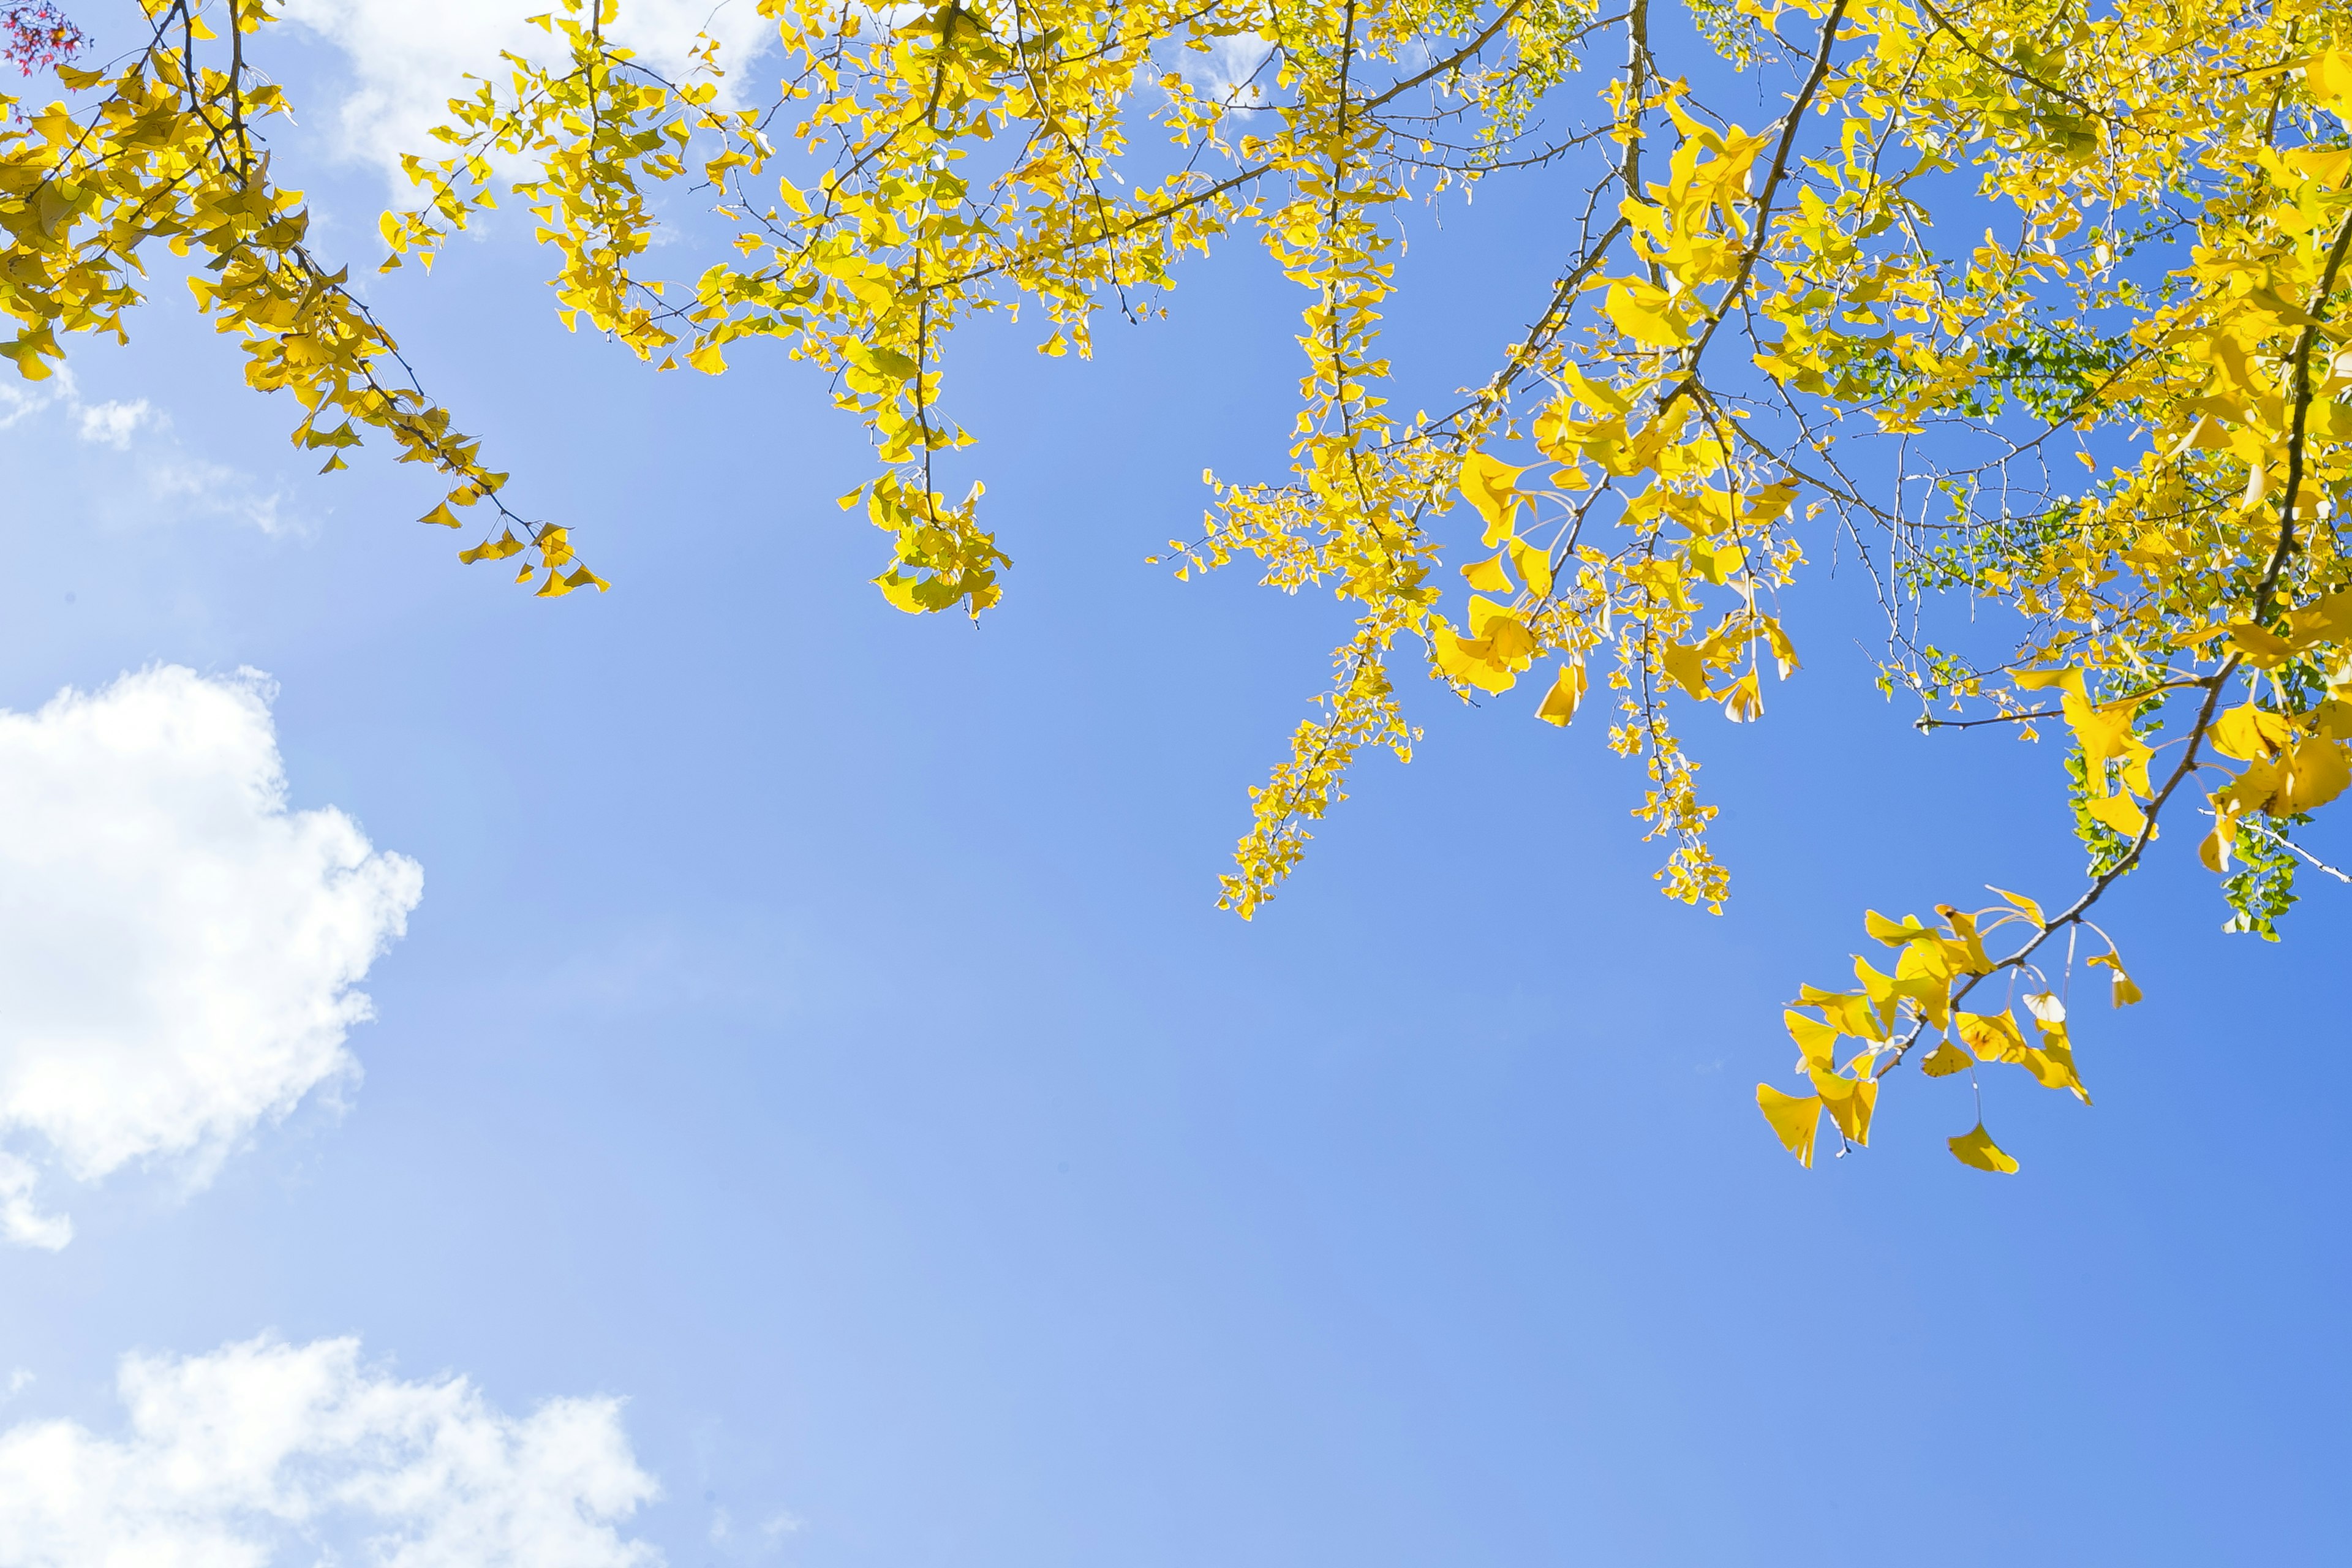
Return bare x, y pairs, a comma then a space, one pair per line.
2035, 307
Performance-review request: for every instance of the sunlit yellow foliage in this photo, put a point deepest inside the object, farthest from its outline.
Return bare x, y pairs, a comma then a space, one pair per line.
168, 145
2100, 452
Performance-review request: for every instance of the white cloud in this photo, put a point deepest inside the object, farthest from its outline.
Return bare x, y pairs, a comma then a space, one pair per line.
1230, 70
21, 399
216, 489
410, 56
110, 423
264, 1454
185, 484
762, 1540
177, 949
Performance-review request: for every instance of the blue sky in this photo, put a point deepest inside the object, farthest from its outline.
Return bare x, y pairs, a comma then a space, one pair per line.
817, 1033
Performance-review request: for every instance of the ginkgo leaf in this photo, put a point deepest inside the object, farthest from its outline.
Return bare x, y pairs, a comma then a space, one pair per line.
2023, 905
2052, 1065
2123, 993
1487, 576
2068, 680
1849, 1101
496, 549
2102, 733
1994, 1037
900, 590
1686, 669
2047, 1006
1534, 567
1743, 700
2329, 72
1566, 690
442, 515
1883, 993
2263, 648
1492, 487
1648, 323
1976, 1148
1894, 934
1944, 1060
1816, 1040
2257, 787
1794, 1120
2314, 774
2248, 733
1971, 956
2213, 852
2118, 812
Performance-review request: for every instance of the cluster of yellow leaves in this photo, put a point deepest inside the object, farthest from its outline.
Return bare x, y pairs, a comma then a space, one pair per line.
1627, 493
1635, 467
1891, 1015
168, 148
874, 245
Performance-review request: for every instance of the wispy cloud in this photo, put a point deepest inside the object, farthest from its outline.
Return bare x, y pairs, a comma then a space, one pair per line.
110, 424
264, 1452
216, 489
174, 480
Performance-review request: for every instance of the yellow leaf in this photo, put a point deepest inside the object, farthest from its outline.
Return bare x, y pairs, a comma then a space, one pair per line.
708, 359
1892, 933
1851, 1013
2023, 905
1487, 576
2255, 789
442, 515
1881, 989
1534, 565
1492, 488
899, 590
492, 549
1794, 1120
1849, 1101
2264, 649
2124, 992
2118, 812
1994, 1037
1687, 670
1972, 957
2213, 854
1944, 1060
1644, 325
2102, 733
2314, 774
2249, 733
1974, 1148
1509, 642
2329, 74
1567, 691
1742, 702
2052, 1065
2067, 679
1816, 1040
